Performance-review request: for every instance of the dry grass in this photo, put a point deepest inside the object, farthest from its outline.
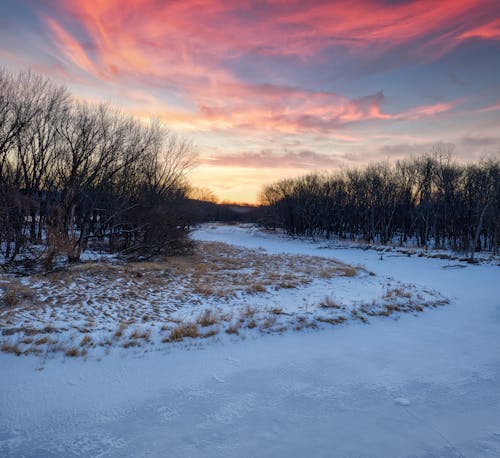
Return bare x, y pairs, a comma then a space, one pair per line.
397, 292
10, 348
86, 341
17, 294
252, 324
121, 329
233, 329
43, 341
249, 312
256, 288
211, 333
72, 352
140, 334
329, 303
208, 318
269, 322
333, 321
182, 331
100, 295
348, 271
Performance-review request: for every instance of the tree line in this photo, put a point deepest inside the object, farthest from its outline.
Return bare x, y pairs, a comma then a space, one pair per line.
74, 173
430, 201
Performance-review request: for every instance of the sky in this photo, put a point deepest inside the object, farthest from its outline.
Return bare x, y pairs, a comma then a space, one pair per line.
274, 89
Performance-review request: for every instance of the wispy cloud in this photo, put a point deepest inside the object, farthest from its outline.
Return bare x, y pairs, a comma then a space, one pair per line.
303, 160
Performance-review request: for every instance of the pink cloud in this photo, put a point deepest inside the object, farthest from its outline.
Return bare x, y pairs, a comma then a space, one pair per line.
181, 45
488, 31
267, 159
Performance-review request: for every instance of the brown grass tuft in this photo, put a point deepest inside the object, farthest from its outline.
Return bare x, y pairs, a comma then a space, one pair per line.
334, 321
233, 329
72, 352
397, 292
140, 334
329, 303
183, 330
16, 294
349, 271
268, 323
87, 340
252, 324
256, 288
208, 318
9, 348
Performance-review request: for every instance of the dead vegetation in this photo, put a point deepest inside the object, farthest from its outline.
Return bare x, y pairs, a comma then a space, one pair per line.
16, 294
208, 318
93, 305
329, 303
182, 331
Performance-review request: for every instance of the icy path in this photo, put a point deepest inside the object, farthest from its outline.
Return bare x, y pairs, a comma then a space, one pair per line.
419, 387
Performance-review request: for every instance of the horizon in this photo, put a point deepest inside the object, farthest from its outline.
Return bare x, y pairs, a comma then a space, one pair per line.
270, 90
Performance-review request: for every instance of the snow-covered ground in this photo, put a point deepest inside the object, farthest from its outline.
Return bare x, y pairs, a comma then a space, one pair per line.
419, 386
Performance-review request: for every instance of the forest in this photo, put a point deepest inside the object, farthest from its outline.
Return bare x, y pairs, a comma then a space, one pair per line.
428, 201
72, 173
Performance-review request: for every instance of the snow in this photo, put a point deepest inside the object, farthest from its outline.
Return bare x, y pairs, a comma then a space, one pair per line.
415, 386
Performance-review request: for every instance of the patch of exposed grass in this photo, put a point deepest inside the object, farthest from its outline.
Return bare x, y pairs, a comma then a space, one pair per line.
16, 294
252, 324
333, 321
233, 329
86, 341
348, 271
43, 341
211, 333
249, 312
329, 303
121, 329
140, 334
208, 318
182, 331
256, 288
10, 348
397, 292
269, 322
72, 352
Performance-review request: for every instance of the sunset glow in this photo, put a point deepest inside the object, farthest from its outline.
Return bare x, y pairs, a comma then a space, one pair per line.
271, 89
